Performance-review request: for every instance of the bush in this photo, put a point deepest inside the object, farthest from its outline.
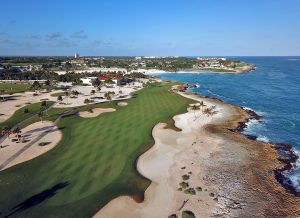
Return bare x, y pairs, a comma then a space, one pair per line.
211, 194
87, 101
190, 191
188, 214
185, 177
26, 110
44, 103
184, 184
172, 216
199, 189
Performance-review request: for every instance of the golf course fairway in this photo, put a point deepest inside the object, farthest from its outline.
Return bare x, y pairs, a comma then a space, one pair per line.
94, 162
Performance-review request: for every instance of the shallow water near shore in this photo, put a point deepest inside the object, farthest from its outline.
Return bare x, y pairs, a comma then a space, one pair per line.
272, 91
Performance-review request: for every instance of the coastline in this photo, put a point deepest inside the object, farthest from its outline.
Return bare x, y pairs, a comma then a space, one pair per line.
258, 190
246, 69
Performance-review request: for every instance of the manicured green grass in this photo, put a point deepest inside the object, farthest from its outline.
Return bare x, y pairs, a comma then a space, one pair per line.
95, 161
14, 87
19, 115
217, 70
58, 94
188, 214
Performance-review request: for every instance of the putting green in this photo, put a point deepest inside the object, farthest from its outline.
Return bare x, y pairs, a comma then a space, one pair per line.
94, 162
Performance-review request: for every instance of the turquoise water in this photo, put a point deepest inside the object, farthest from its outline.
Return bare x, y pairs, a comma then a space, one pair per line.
272, 90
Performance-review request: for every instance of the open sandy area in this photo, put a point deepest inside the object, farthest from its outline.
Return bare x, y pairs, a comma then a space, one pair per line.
96, 112
231, 175
121, 93
19, 100
9, 107
12, 153
122, 103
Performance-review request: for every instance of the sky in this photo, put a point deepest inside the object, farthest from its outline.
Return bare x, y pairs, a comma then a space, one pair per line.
150, 27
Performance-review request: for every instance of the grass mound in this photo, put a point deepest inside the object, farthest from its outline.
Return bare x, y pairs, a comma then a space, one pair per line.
188, 214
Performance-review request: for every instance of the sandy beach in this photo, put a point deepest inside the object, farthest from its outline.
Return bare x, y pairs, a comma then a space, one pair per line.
40, 137
232, 176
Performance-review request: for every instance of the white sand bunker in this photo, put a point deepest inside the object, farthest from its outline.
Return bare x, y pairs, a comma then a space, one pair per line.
95, 112
34, 140
122, 103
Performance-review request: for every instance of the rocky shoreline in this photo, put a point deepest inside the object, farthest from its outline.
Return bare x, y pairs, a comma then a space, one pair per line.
286, 155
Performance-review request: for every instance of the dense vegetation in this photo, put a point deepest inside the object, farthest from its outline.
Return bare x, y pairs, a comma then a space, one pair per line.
94, 162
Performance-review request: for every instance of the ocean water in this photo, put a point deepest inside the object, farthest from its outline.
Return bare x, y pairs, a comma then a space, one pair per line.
272, 90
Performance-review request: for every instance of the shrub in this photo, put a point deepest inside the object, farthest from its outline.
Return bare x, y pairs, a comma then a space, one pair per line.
185, 177
184, 184
188, 214
26, 110
44, 103
190, 191
86, 101
211, 194
172, 216
199, 189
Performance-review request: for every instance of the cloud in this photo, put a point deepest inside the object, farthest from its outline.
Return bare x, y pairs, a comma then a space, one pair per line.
2, 34
32, 36
103, 43
12, 22
53, 36
64, 43
79, 35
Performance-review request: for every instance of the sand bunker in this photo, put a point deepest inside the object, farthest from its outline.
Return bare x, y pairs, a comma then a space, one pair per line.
122, 103
96, 112
37, 139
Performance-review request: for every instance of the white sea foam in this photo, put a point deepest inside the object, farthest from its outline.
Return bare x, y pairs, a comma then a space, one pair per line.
295, 180
263, 138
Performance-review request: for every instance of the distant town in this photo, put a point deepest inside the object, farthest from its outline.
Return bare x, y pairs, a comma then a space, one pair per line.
124, 65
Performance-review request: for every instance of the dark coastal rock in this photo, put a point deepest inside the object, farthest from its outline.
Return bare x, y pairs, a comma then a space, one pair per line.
243, 125
288, 158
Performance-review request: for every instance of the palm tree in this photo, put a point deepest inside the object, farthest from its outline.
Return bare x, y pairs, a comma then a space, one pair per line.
194, 108
107, 95
6, 131
40, 115
67, 94
2, 93
207, 111
36, 86
17, 131
202, 105
59, 98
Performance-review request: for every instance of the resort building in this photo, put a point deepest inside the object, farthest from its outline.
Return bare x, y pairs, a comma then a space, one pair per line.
88, 80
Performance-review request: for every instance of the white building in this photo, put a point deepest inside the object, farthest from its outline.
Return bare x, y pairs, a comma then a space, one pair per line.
87, 80
76, 55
